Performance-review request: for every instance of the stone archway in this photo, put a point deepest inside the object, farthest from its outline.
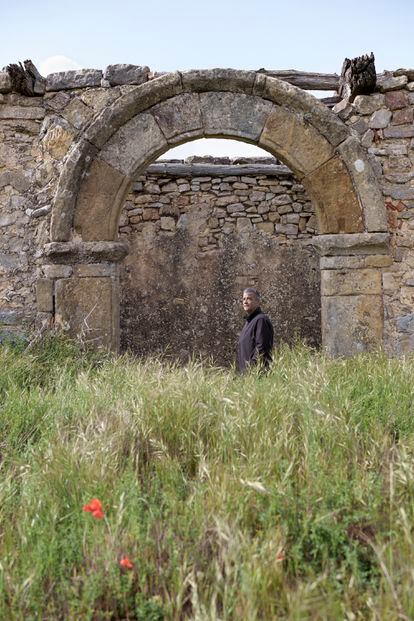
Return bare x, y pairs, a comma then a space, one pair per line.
274, 115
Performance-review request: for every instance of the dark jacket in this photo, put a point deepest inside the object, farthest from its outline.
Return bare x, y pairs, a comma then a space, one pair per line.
255, 341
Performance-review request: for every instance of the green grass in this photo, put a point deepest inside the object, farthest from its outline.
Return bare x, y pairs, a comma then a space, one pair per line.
285, 496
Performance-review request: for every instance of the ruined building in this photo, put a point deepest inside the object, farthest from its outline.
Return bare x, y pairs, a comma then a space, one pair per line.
102, 238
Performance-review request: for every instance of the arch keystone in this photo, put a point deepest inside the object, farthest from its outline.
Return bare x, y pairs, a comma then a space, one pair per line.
234, 114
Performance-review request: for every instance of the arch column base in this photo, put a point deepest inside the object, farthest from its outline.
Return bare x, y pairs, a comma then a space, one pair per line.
351, 288
80, 290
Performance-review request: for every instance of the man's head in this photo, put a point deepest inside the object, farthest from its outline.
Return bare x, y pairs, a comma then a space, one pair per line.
251, 300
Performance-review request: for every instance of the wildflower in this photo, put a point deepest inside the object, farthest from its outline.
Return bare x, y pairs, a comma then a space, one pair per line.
95, 507
280, 556
126, 563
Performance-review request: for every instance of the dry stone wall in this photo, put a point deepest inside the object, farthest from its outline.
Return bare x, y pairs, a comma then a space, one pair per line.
37, 132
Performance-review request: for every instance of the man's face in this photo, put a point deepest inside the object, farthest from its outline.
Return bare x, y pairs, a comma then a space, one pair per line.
250, 302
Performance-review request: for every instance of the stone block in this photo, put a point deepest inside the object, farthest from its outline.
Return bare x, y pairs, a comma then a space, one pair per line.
350, 282
356, 244
97, 200
367, 104
235, 207
266, 227
167, 223
351, 324
125, 74
179, 115
405, 323
77, 113
86, 252
16, 179
44, 295
67, 80
86, 308
231, 114
26, 113
342, 262
398, 191
93, 270
58, 140
134, 145
380, 119
334, 198
76, 165
224, 80
297, 143
11, 317
399, 131
366, 184
57, 271
396, 99
138, 99
403, 116
316, 113
9, 262
391, 83
407, 296
5, 82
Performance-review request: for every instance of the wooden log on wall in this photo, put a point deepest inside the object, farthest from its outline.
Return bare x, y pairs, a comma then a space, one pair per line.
305, 80
209, 170
358, 77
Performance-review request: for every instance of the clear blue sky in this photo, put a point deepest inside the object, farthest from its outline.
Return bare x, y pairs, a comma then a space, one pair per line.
184, 34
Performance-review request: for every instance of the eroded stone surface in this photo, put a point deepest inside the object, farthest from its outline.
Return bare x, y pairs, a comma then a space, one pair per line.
84, 308
135, 143
334, 197
179, 115
350, 282
235, 115
103, 188
296, 142
351, 324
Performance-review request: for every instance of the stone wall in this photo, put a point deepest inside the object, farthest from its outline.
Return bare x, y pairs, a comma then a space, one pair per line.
37, 132
199, 232
384, 121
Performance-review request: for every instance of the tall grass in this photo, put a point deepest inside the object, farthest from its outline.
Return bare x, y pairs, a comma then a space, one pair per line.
283, 496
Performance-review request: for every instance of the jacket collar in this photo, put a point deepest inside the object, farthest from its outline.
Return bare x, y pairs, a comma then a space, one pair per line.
254, 314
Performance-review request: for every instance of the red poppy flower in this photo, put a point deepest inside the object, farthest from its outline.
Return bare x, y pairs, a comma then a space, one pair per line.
95, 507
126, 563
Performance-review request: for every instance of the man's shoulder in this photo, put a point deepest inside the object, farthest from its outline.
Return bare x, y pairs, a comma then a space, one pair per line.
262, 317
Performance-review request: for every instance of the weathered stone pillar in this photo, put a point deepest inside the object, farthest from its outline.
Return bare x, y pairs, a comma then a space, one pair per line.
351, 288
80, 290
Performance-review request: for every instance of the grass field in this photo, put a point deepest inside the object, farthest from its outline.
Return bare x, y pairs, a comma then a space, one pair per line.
285, 496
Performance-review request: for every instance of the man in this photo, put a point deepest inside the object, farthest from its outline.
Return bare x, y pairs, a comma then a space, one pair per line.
256, 337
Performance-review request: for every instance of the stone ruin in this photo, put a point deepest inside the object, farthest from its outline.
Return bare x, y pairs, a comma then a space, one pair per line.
101, 238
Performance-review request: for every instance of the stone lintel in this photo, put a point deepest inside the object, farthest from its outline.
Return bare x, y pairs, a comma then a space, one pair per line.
351, 243
86, 252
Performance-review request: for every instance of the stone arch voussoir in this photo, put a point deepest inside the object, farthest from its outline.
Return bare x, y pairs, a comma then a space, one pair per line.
245, 105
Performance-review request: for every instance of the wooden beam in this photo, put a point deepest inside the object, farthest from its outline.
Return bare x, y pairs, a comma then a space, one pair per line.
172, 169
305, 80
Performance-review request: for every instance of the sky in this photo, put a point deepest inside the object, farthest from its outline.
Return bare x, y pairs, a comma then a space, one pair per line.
167, 35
